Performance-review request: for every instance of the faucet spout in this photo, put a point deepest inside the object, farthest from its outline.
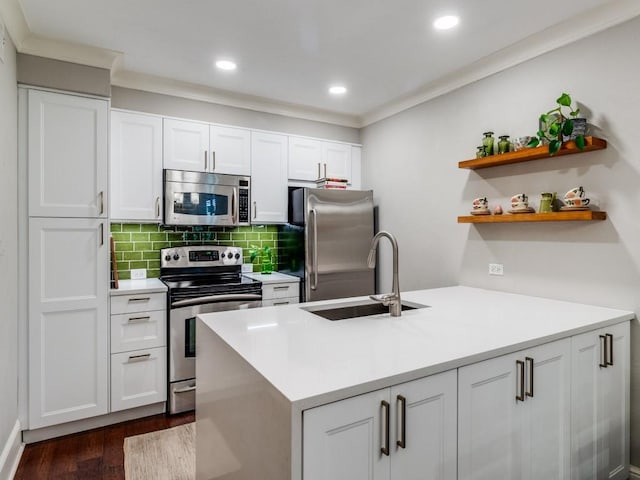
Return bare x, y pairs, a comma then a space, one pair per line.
392, 300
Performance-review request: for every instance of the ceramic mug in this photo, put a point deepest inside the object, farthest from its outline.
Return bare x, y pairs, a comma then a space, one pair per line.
577, 192
577, 202
520, 201
480, 203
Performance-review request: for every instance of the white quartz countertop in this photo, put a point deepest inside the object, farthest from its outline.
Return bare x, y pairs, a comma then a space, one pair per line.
274, 277
134, 287
312, 361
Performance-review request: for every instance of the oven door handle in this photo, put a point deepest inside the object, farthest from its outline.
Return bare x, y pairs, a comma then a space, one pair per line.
238, 297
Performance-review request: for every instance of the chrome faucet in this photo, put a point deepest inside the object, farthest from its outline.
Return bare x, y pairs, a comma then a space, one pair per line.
392, 300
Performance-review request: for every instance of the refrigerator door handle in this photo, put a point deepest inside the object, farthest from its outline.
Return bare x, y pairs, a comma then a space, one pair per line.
314, 262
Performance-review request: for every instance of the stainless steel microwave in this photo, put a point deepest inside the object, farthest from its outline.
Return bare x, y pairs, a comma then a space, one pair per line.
198, 198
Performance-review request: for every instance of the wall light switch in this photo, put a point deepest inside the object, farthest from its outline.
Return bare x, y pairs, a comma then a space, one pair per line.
496, 269
138, 274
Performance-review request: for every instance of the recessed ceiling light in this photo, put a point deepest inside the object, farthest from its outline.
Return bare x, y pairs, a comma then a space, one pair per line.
226, 65
338, 90
446, 22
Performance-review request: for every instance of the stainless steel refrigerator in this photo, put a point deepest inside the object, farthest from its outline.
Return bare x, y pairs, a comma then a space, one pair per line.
327, 241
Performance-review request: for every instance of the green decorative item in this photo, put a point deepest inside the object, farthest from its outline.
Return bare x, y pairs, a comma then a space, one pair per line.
557, 125
481, 153
264, 254
487, 141
504, 144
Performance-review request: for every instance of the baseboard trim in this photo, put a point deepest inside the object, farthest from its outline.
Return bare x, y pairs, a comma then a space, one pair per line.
46, 433
11, 453
634, 473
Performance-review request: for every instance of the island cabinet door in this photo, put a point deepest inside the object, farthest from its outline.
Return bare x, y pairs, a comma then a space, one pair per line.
424, 428
345, 440
600, 404
490, 419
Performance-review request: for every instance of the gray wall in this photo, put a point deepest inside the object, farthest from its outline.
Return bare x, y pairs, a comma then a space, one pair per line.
50, 73
141, 101
410, 161
8, 245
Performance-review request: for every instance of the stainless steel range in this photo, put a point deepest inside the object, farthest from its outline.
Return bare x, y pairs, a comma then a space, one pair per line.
201, 279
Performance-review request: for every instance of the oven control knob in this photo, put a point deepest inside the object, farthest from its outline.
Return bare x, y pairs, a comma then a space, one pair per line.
167, 258
222, 255
176, 256
237, 255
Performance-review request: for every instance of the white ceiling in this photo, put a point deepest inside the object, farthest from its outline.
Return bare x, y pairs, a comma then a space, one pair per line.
291, 51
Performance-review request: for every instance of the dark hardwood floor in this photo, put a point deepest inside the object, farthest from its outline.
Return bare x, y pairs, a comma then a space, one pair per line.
95, 454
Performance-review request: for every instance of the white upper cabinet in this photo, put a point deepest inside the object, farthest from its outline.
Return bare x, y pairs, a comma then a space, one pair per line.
186, 145
268, 178
136, 167
67, 140
311, 159
200, 147
230, 150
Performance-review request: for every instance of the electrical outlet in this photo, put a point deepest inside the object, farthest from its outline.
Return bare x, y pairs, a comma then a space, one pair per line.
138, 274
496, 269
247, 267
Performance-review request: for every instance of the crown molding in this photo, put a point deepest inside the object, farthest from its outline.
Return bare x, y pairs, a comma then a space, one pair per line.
155, 84
11, 14
564, 33
70, 52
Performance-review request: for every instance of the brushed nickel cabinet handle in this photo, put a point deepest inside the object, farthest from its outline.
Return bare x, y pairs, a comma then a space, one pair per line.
140, 299
206, 163
213, 160
138, 319
520, 382
255, 210
280, 303
402, 441
144, 356
281, 287
101, 202
385, 407
101, 234
318, 171
609, 360
157, 207
529, 361
604, 351
325, 170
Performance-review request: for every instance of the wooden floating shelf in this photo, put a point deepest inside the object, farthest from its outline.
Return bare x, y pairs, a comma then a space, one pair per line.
584, 215
537, 153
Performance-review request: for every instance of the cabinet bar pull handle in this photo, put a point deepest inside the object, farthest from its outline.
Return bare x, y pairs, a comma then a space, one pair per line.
157, 207
255, 210
139, 357
385, 423
402, 442
101, 202
529, 360
138, 319
213, 160
140, 299
280, 303
520, 383
101, 234
206, 163
604, 352
325, 170
609, 361
281, 287
318, 171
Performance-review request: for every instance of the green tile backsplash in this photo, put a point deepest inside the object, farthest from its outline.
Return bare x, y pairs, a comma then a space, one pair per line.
138, 245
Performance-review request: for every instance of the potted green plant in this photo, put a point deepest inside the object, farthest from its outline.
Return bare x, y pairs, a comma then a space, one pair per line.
264, 254
560, 124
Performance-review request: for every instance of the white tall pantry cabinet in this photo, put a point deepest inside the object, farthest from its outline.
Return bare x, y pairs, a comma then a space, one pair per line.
68, 255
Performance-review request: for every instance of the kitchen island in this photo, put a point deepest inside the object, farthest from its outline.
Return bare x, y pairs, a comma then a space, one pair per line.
264, 374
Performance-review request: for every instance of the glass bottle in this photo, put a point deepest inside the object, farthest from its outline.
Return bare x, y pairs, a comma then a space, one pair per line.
480, 153
487, 142
504, 144
266, 263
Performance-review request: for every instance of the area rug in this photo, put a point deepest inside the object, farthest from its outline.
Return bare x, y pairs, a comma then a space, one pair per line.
166, 454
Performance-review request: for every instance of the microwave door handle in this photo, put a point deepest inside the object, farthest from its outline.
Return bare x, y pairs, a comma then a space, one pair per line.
314, 257
234, 217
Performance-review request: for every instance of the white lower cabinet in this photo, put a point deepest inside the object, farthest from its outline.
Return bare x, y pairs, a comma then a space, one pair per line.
404, 432
138, 378
600, 405
68, 328
514, 415
138, 350
285, 293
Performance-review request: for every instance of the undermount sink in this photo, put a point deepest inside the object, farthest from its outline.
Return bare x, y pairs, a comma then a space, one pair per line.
354, 309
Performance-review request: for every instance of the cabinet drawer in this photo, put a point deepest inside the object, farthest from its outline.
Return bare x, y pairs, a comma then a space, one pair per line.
280, 301
134, 331
141, 302
280, 290
138, 378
